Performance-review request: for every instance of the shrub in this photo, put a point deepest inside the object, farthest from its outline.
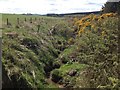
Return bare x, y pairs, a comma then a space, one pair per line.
111, 7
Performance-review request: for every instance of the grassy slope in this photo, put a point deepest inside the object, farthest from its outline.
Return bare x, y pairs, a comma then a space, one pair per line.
21, 58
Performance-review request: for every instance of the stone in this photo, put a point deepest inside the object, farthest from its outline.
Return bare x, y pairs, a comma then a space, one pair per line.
72, 72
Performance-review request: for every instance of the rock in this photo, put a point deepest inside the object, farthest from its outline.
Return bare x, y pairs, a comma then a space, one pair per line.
72, 72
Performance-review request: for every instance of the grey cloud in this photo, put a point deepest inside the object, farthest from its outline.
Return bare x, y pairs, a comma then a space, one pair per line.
52, 4
113, 0
90, 3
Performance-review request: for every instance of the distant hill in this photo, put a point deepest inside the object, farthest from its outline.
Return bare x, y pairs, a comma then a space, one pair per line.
78, 13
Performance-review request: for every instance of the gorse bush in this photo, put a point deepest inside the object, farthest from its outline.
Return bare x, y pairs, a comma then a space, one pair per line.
88, 23
98, 44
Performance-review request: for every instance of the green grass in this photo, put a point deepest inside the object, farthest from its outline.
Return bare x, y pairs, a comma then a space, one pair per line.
39, 19
72, 66
68, 51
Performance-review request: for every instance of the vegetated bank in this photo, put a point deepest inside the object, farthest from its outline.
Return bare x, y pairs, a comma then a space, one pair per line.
79, 53
29, 47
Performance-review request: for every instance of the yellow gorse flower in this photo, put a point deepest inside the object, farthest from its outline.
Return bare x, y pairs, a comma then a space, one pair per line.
94, 18
81, 31
90, 20
70, 41
87, 24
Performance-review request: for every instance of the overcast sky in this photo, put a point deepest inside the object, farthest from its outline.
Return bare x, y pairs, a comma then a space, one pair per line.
49, 6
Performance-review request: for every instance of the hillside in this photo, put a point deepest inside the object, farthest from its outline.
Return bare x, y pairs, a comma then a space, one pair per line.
60, 52
73, 14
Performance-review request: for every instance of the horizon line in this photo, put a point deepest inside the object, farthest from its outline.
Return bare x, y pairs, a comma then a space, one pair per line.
52, 13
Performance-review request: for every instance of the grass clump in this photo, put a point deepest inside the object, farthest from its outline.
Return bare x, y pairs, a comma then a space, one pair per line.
56, 75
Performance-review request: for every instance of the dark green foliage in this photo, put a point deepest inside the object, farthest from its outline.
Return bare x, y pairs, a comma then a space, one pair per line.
56, 64
56, 75
111, 7
8, 57
17, 47
64, 60
31, 44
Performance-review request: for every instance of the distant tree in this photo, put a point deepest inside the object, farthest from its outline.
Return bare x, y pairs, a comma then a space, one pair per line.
111, 7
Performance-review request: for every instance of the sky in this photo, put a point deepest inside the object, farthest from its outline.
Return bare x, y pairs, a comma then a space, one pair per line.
49, 6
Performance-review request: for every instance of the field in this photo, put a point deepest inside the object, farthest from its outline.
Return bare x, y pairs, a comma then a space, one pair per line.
60, 52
